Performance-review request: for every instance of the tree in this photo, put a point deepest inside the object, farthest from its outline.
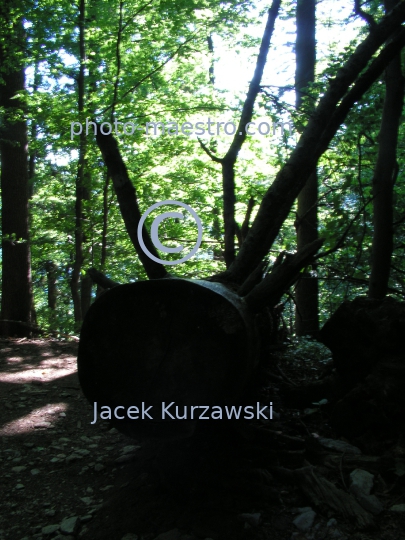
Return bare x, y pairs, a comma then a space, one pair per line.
16, 277
306, 291
385, 175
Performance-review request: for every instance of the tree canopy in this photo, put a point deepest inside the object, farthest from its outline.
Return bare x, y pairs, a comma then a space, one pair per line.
92, 63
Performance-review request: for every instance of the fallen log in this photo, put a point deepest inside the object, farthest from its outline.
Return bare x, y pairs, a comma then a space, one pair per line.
193, 343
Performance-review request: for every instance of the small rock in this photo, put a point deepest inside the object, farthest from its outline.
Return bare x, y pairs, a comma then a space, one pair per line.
50, 513
19, 486
303, 509
398, 508
105, 488
82, 452
39, 425
87, 500
86, 518
339, 446
98, 467
362, 482
130, 536
129, 449
304, 521
251, 519
35, 471
174, 534
126, 458
70, 525
49, 529
73, 457
332, 523
19, 468
89, 490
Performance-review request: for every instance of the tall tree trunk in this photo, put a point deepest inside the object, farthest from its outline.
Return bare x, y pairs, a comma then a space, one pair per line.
306, 292
385, 173
16, 302
81, 190
34, 133
51, 269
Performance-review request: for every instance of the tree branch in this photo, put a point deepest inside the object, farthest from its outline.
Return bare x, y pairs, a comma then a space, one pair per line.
271, 289
245, 225
158, 68
208, 152
101, 279
365, 16
280, 197
128, 203
342, 239
228, 162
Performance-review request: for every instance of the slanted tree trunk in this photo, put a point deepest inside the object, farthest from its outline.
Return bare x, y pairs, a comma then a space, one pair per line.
306, 292
385, 173
17, 301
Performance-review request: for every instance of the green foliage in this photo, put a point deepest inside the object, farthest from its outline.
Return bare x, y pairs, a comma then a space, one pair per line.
149, 62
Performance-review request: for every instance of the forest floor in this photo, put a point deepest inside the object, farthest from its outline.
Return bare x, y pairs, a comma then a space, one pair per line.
62, 477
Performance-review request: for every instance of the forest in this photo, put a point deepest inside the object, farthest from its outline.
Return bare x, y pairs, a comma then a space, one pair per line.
203, 202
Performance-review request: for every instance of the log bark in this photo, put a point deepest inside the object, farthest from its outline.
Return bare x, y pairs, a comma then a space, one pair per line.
166, 350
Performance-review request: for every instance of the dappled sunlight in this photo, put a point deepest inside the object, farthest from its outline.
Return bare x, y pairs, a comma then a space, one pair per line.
43, 417
44, 371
